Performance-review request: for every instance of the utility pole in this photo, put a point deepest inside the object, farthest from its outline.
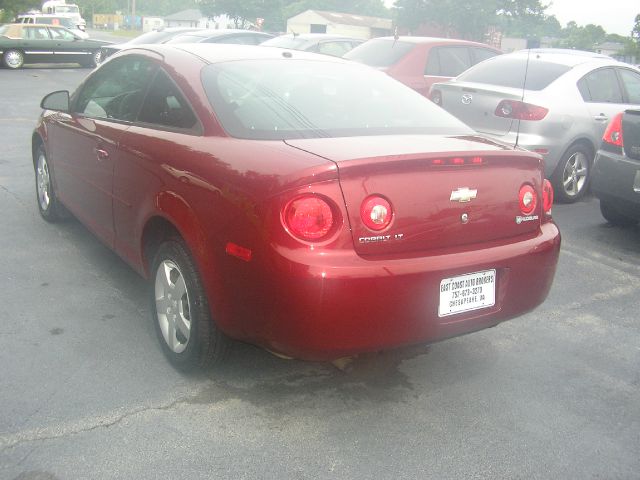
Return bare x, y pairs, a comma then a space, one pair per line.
133, 15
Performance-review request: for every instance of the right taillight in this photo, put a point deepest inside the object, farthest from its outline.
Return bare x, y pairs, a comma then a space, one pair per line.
309, 217
613, 133
376, 212
528, 199
547, 197
520, 110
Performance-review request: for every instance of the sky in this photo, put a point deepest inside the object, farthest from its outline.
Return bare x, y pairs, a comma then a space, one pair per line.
615, 16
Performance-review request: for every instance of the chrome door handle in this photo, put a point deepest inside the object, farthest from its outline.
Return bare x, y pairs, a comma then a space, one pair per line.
601, 118
101, 154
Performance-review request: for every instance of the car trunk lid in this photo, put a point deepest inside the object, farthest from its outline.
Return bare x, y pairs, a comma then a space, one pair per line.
475, 104
435, 205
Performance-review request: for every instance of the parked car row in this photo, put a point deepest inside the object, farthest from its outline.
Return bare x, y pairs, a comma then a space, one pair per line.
553, 102
301, 202
24, 43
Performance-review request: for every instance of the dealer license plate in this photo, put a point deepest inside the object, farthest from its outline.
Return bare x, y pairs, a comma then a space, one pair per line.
467, 292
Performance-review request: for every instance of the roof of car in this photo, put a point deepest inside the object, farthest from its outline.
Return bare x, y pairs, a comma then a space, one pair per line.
217, 53
571, 58
208, 33
15, 28
412, 39
318, 36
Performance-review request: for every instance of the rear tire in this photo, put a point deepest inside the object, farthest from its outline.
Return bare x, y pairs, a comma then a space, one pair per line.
572, 175
614, 217
180, 308
13, 59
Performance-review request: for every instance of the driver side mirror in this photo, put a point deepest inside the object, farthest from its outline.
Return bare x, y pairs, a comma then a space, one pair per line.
58, 101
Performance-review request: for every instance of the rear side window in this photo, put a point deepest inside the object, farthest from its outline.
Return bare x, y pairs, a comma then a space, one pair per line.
35, 33
380, 53
448, 61
337, 49
631, 81
506, 71
600, 86
165, 105
480, 54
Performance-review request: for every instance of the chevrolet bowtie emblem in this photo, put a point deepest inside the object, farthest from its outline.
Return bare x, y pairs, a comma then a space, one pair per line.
463, 195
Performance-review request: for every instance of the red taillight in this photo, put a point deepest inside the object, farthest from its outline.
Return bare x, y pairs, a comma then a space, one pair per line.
520, 110
376, 212
613, 133
528, 199
547, 196
309, 217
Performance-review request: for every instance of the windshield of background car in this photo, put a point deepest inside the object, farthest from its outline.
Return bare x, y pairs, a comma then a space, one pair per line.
279, 100
380, 53
288, 42
187, 39
506, 71
149, 37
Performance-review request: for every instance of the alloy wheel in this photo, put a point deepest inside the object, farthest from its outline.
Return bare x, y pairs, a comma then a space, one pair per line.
43, 182
172, 306
574, 176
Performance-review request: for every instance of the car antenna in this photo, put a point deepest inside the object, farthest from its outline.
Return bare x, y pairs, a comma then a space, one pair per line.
524, 84
395, 36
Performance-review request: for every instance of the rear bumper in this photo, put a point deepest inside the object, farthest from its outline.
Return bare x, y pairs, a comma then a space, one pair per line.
616, 179
320, 308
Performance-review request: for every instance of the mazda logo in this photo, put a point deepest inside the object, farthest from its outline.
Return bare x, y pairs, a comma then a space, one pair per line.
466, 98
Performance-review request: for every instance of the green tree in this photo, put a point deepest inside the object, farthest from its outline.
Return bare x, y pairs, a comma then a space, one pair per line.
241, 12
469, 19
10, 8
582, 38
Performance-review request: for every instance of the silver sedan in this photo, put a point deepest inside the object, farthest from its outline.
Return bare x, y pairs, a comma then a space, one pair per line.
551, 101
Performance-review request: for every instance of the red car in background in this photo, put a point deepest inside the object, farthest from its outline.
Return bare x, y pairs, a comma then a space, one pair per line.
300, 202
419, 62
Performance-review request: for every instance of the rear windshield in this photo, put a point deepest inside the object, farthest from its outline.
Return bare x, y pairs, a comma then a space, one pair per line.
379, 52
509, 71
285, 99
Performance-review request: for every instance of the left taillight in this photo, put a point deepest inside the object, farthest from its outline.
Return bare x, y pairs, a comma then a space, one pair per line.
309, 217
520, 110
528, 199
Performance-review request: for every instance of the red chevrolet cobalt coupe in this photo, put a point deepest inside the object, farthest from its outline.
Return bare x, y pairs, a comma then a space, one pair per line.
307, 204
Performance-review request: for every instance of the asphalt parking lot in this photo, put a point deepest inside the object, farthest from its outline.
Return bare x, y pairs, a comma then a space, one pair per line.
86, 392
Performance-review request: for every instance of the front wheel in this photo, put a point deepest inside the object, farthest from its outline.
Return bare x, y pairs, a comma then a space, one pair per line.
94, 60
181, 314
48, 205
571, 178
13, 59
